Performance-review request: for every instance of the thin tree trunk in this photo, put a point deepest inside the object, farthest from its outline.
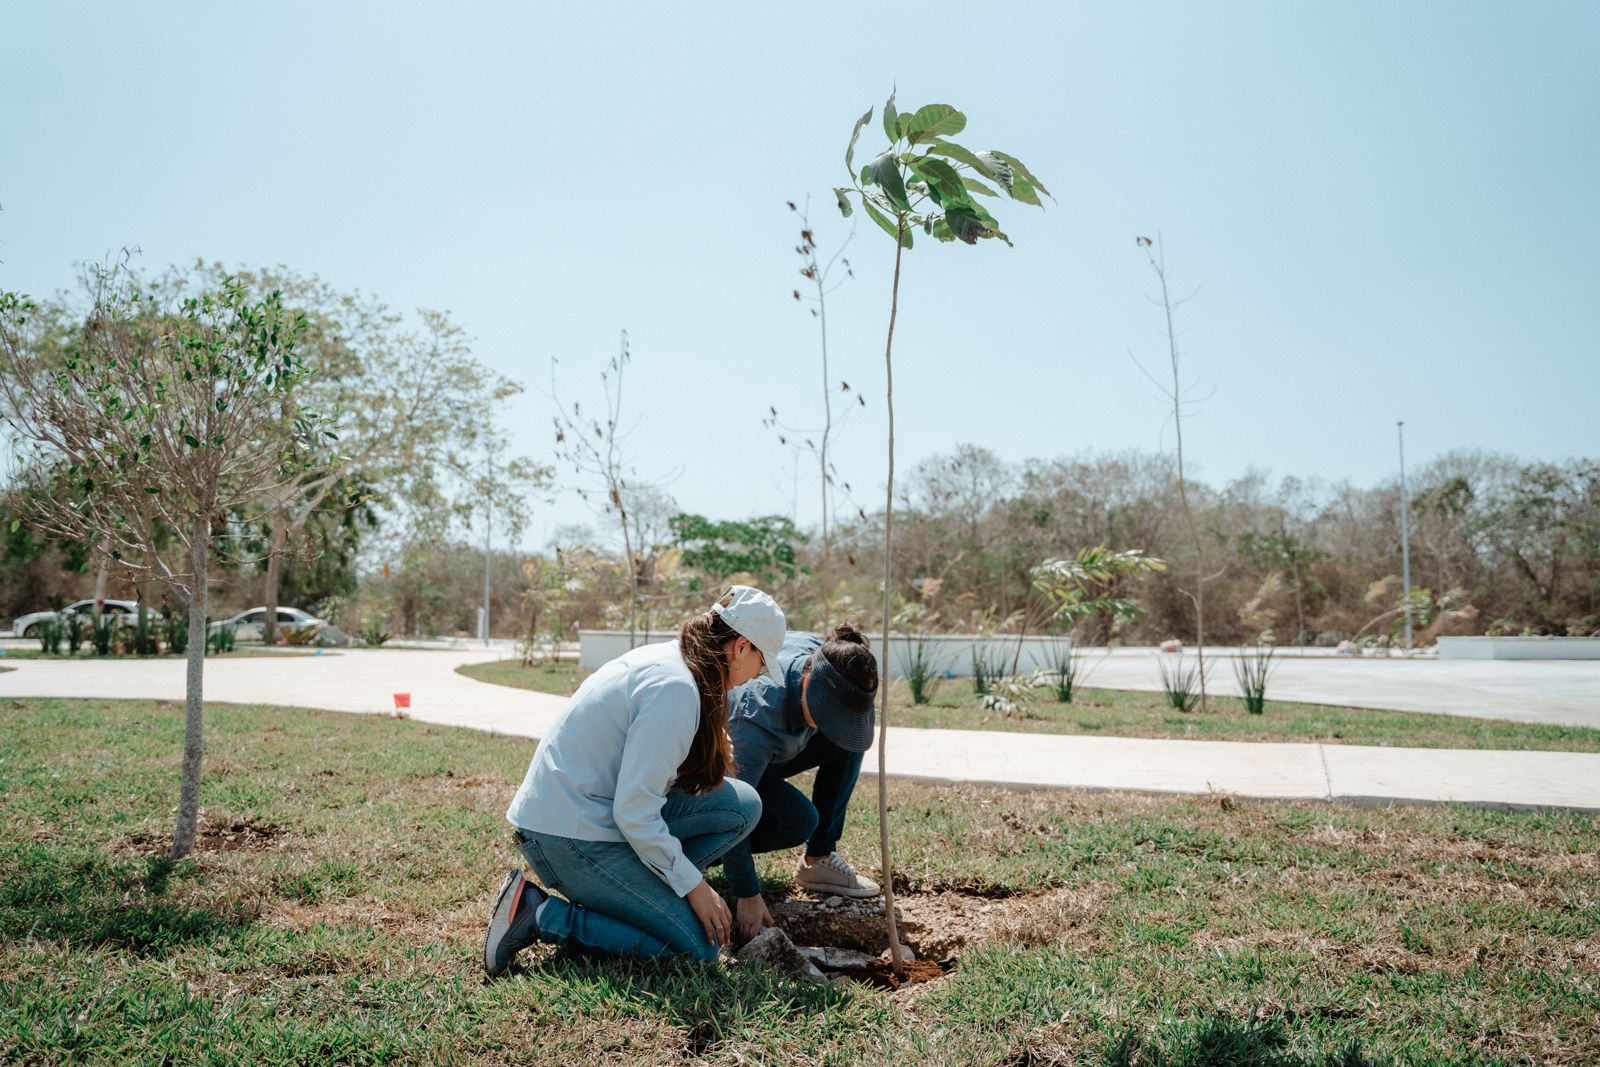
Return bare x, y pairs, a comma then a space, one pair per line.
1183, 488
193, 740
896, 955
101, 574
633, 574
279, 537
827, 428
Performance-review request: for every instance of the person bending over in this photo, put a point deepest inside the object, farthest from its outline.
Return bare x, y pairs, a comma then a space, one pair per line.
816, 714
626, 801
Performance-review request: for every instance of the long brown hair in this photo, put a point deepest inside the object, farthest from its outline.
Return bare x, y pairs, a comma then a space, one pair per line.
702, 640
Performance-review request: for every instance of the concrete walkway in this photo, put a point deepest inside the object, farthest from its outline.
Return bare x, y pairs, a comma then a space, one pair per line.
365, 681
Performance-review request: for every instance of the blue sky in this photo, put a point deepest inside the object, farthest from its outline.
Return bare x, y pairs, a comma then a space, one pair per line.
1389, 211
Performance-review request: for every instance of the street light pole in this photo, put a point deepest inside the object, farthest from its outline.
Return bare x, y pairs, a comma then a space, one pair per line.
1405, 533
488, 528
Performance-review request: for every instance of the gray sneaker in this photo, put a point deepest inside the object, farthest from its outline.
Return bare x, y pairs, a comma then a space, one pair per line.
513, 925
832, 875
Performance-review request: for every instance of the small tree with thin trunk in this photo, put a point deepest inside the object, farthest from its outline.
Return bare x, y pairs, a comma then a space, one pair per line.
162, 416
593, 446
817, 273
1175, 395
922, 181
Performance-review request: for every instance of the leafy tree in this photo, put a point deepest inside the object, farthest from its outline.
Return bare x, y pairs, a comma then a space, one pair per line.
763, 548
412, 412
923, 181
162, 417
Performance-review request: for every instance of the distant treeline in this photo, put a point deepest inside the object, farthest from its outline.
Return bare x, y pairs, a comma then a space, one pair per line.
1497, 545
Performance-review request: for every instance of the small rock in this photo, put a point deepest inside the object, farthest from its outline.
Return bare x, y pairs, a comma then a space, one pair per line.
773, 948
831, 958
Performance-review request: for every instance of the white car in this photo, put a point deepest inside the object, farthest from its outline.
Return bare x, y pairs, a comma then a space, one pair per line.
247, 625
125, 610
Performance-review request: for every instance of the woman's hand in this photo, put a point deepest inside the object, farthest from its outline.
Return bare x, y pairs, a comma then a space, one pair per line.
753, 916
712, 912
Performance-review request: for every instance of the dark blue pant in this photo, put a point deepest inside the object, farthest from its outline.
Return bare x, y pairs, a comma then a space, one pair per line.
788, 818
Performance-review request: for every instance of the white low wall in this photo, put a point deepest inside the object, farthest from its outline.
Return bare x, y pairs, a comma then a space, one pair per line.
1519, 648
951, 653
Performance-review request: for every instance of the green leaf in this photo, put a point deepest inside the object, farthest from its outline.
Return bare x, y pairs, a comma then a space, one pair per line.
152, 490
1021, 190
941, 176
973, 185
850, 153
1016, 165
951, 150
885, 224
996, 168
934, 120
891, 121
191, 440
967, 223
844, 201
886, 175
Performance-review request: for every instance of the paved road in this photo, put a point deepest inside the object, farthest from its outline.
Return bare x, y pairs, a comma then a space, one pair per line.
365, 681
1555, 691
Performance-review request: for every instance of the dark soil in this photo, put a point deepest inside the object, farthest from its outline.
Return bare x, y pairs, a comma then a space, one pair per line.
881, 974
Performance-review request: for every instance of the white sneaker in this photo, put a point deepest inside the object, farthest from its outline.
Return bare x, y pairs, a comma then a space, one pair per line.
833, 875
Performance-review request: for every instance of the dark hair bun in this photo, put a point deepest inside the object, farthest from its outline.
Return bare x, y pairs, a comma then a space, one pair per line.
848, 633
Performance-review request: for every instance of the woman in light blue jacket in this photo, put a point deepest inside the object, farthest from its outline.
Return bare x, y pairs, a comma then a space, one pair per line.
627, 800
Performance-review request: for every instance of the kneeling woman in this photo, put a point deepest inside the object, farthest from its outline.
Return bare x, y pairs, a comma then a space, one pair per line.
627, 801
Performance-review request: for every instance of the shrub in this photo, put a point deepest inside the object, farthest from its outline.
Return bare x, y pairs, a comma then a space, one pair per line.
49, 632
302, 636
923, 671
222, 639
1180, 681
1012, 697
73, 628
374, 630
103, 632
175, 629
988, 666
1251, 670
144, 634
1065, 662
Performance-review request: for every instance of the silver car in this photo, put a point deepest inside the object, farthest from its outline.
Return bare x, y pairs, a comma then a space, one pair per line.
84, 609
247, 625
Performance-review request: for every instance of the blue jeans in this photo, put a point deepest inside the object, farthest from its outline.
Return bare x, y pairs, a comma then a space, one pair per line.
788, 818
614, 903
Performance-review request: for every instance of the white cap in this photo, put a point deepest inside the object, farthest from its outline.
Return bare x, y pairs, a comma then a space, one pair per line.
756, 616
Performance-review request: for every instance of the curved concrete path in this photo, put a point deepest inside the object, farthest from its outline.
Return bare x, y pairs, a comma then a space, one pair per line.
365, 680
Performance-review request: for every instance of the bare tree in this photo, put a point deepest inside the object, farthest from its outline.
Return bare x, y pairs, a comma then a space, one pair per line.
159, 420
818, 273
1175, 395
593, 446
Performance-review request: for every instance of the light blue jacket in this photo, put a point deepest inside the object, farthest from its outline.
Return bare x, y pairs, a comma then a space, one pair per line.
602, 771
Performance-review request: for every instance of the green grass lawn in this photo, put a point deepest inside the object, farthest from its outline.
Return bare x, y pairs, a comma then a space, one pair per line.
334, 911
1118, 713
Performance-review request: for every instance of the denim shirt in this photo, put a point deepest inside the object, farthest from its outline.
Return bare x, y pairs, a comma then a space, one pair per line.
767, 727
